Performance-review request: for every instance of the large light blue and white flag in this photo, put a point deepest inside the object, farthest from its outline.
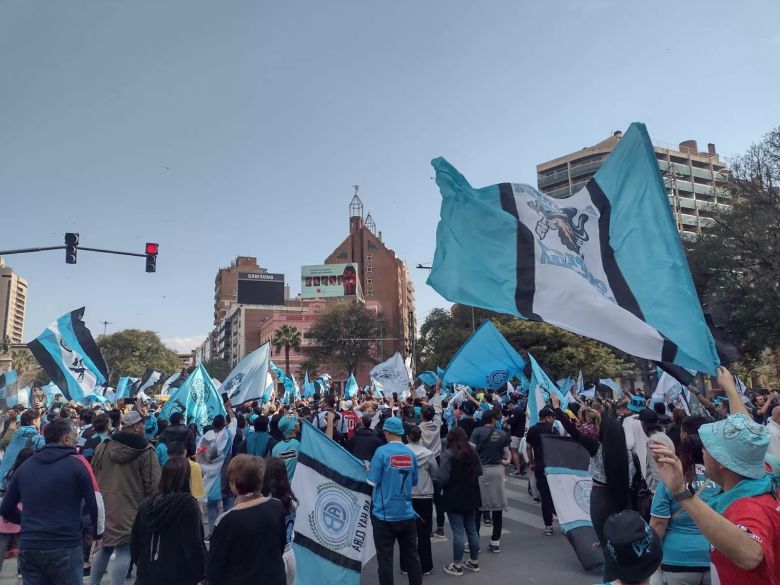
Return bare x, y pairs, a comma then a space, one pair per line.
392, 375
617, 391
485, 360
247, 381
124, 387
566, 467
68, 353
351, 387
167, 383
606, 262
196, 398
149, 379
333, 535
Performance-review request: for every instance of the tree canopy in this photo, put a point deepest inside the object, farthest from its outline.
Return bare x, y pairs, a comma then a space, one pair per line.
346, 334
286, 338
131, 351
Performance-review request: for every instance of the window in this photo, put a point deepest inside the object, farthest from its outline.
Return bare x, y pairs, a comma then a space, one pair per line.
369, 268
342, 255
369, 258
370, 292
369, 281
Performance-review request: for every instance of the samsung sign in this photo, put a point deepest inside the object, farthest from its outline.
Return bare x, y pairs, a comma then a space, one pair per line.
260, 288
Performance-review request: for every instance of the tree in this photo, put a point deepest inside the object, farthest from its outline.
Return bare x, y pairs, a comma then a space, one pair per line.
736, 263
346, 334
217, 368
131, 351
28, 370
308, 365
287, 338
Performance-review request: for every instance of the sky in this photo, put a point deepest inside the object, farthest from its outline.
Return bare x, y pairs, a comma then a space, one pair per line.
220, 129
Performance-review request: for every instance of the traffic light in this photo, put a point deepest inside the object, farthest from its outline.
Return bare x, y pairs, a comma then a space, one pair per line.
71, 247
151, 256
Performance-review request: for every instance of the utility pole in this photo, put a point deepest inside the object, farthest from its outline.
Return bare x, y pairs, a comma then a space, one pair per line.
105, 325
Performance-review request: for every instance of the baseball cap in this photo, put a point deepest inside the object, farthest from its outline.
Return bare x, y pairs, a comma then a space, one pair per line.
633, 548
738, 443
648, 416
637, 404
395, 426
131, 418
347, 404
287, 424
546, 411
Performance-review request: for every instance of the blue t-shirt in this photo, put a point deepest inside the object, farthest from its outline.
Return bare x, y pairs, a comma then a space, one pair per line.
287, 450
393, 473
684, 545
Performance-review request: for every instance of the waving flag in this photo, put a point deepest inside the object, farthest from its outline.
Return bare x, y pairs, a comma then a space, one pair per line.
333, 535
606, 262
124, 387
617, 391
541, 389
392, 375
429, 378
196, 398
150, 378
308, 387
376, 389
351, 387
485, 360
70, 356
247, 381
10, 394
168, 381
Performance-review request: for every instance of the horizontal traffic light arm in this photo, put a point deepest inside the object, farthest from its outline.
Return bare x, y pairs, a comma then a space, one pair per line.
101, 250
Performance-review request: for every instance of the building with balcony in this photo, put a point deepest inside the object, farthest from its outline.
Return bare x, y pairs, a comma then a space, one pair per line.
13, 304
695, 180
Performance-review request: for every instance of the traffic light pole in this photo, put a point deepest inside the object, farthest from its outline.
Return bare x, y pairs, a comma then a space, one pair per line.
44, 249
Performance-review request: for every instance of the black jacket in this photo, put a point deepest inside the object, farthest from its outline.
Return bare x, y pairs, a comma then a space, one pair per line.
167, 541
181, 434
364, 443
459, 478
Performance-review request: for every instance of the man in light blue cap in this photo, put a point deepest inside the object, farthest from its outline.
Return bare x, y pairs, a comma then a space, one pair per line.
742, 523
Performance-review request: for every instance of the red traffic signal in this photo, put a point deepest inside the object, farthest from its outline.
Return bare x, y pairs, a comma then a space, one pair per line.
152, 248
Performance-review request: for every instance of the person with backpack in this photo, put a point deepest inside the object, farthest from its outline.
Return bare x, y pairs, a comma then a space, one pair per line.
26, 436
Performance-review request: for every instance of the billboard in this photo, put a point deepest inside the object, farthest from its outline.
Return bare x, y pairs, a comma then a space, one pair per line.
260, 288
327, 281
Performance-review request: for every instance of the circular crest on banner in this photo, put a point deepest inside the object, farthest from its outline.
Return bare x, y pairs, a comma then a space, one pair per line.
496, 379
334, 515
582, 491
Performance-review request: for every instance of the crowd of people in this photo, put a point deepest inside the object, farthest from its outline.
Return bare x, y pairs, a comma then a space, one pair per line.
115, 491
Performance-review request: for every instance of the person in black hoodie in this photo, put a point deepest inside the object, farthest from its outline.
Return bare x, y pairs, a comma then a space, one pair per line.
52, 486
177, 431
365, 441
167, 538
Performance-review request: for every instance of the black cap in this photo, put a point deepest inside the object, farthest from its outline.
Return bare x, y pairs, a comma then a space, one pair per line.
546, 411
634, 550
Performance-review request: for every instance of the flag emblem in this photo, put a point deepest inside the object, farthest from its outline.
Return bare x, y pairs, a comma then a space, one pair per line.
334, 515
497, 378
561, 220
582, 491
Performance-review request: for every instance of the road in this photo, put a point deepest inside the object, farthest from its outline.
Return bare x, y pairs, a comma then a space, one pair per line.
527, 555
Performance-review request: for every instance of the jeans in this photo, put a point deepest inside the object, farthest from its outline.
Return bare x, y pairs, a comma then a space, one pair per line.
437, 492
62, 566
212, 510
423, 507
601, 508
544, 494
498, 523
385, 535
7, 542
460, 524
118, 569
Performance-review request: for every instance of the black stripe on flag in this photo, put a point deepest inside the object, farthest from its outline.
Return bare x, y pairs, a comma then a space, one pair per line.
326, 553
87, 342
50, 366
525, 273
335, 476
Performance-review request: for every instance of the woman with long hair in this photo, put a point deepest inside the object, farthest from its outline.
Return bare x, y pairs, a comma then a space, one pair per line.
167, 539
458, 475
611, 467
277, 485
686, 550
249, 539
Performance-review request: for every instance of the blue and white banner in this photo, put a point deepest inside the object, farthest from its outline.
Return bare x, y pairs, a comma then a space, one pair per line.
124, 387
566, 468
308, 387
376, 389
541, 389
149, 379
606, 262
351, 387
617, 391
196, 398
10, 393
485, 360
165, 390
333, 535
392, 375
248, 379
68, 353
428, 378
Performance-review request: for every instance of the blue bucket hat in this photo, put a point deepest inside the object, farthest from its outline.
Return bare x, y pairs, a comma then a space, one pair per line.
286, 425
395, 426
738, 444
637, 404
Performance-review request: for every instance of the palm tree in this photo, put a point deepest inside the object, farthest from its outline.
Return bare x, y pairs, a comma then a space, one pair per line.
286, 337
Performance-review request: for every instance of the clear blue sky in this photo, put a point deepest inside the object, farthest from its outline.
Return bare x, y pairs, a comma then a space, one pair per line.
225, 128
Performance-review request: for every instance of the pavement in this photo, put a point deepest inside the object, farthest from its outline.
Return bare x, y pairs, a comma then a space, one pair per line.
527, 555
